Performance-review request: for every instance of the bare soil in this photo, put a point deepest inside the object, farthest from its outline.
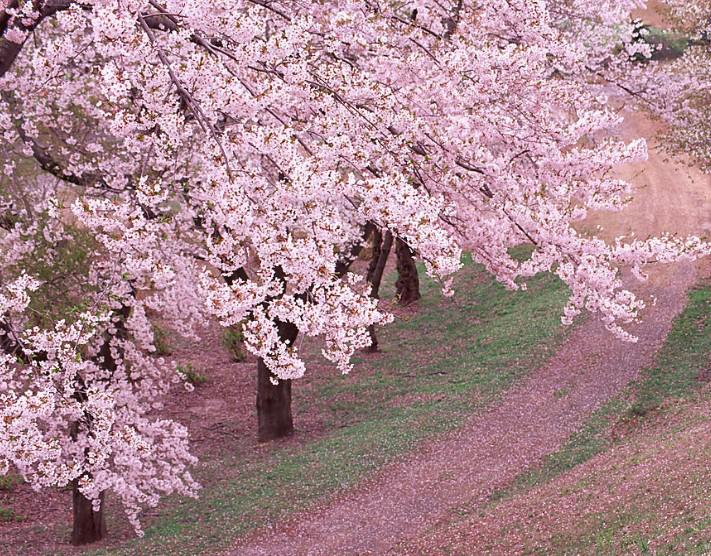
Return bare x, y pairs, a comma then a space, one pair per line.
653, 14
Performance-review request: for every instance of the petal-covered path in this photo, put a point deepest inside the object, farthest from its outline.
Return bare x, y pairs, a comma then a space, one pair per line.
532, 419
530, 422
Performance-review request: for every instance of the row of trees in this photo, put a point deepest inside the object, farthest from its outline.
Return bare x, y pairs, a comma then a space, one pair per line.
226, 159
682, 87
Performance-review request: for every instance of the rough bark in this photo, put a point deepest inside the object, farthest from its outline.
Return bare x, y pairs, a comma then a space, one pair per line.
274, 400
407, 286
453, 21
377, 241
382, 244
10, 344
89, 525
274, 416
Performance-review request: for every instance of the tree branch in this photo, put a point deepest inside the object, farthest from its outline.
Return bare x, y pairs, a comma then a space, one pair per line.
9, 50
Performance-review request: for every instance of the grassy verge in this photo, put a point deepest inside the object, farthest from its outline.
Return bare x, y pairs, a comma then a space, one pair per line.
450, 359
680, 373
659, 481
668, 44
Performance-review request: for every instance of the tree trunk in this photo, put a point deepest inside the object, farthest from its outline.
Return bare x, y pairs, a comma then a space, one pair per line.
347, 259
274, 400
381, 250
274, 416
407, 286
89, 525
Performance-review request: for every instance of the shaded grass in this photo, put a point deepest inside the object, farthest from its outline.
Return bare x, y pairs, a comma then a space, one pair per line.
7, 485
8, 515
684, 359
668, 44
9, 482
449, 360
476, 343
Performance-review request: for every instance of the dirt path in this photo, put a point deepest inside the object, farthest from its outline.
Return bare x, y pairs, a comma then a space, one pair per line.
653, 14
535, 417
653, 491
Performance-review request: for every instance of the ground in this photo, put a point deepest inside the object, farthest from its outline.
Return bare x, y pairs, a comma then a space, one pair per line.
500, 432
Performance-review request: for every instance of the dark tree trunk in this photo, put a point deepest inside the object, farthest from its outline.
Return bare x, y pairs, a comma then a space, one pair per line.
375, 258
274, 400
346, 260
381, 250
407, 286
274, 416
274, 419
453, 21
89, 525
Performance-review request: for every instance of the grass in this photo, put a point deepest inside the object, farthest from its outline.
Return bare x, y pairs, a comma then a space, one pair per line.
233, 341
8, 515
668, 512
669, 44
451, 359
666, 45
684, 359
161, 340
677, 377
196, 378
7, 485
591, 439
9, 482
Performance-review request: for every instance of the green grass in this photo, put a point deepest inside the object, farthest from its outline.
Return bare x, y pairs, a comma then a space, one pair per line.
665, 519
161, 340
8, 515
685, 356
683, 359
9, 482
194, 377
700, 547
674, 381
669, 44
451, 359
233, 341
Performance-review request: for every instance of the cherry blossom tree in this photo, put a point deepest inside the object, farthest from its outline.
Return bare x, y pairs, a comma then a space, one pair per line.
78, 394
678, 91
694, 17
228, 158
